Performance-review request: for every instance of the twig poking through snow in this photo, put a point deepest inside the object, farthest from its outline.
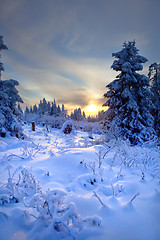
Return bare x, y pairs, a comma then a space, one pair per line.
134, 197
113, 192
95, 194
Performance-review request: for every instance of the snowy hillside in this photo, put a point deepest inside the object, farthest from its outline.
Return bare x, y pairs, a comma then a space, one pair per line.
57, 186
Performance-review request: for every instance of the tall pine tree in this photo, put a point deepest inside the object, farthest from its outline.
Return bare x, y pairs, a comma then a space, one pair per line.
8, 103
128, 97
154, 75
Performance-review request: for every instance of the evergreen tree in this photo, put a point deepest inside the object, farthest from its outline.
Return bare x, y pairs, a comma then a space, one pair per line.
40, 108
12, 93
44, 106
3, 95
63, 108
35, 109
54, 108
8, 98
128, 97
154, 75
2, 47
58, 109
77, 116
26, 112
30, 110
49, 108
101, 115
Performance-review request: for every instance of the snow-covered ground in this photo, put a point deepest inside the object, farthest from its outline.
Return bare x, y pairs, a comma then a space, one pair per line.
57, 186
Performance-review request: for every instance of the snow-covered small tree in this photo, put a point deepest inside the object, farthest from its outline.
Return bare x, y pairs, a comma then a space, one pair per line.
128, 98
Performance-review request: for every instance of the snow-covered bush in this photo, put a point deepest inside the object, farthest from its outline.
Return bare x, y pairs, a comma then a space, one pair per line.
14, 190
52, 214
96, 165
27, 183
9, 191
67, 127
58, 217
30, 149
143, 159
63, 219
86, 126
6, 198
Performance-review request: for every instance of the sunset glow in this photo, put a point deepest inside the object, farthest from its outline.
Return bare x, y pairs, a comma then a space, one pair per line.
91, 110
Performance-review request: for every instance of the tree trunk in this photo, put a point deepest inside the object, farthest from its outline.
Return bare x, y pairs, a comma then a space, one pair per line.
33, 126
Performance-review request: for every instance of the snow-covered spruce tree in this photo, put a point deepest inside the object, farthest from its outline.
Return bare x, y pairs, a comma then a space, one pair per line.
54, 108
44, 107
8, 98
77, 116
35, 109
13, 96
58, 109
2, 47
26, 113
154, 75
128, 98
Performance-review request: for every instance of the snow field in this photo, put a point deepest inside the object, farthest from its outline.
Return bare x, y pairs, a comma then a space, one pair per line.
102, 191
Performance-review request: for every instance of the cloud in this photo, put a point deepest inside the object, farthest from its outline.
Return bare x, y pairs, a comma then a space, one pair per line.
8, 9
62, 49
78, 82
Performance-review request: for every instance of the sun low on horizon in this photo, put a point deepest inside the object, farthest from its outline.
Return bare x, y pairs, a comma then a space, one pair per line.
92, 110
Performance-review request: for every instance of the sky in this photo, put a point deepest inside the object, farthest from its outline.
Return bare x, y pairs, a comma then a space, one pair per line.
62, 49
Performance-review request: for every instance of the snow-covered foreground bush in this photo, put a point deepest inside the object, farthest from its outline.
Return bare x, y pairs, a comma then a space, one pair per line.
53, 216
71, 188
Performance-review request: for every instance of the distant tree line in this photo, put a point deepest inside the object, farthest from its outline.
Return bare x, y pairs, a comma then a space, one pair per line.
46, 108
52, 109
77, 114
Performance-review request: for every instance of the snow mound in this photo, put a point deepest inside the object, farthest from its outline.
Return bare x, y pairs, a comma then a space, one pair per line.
67, 127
